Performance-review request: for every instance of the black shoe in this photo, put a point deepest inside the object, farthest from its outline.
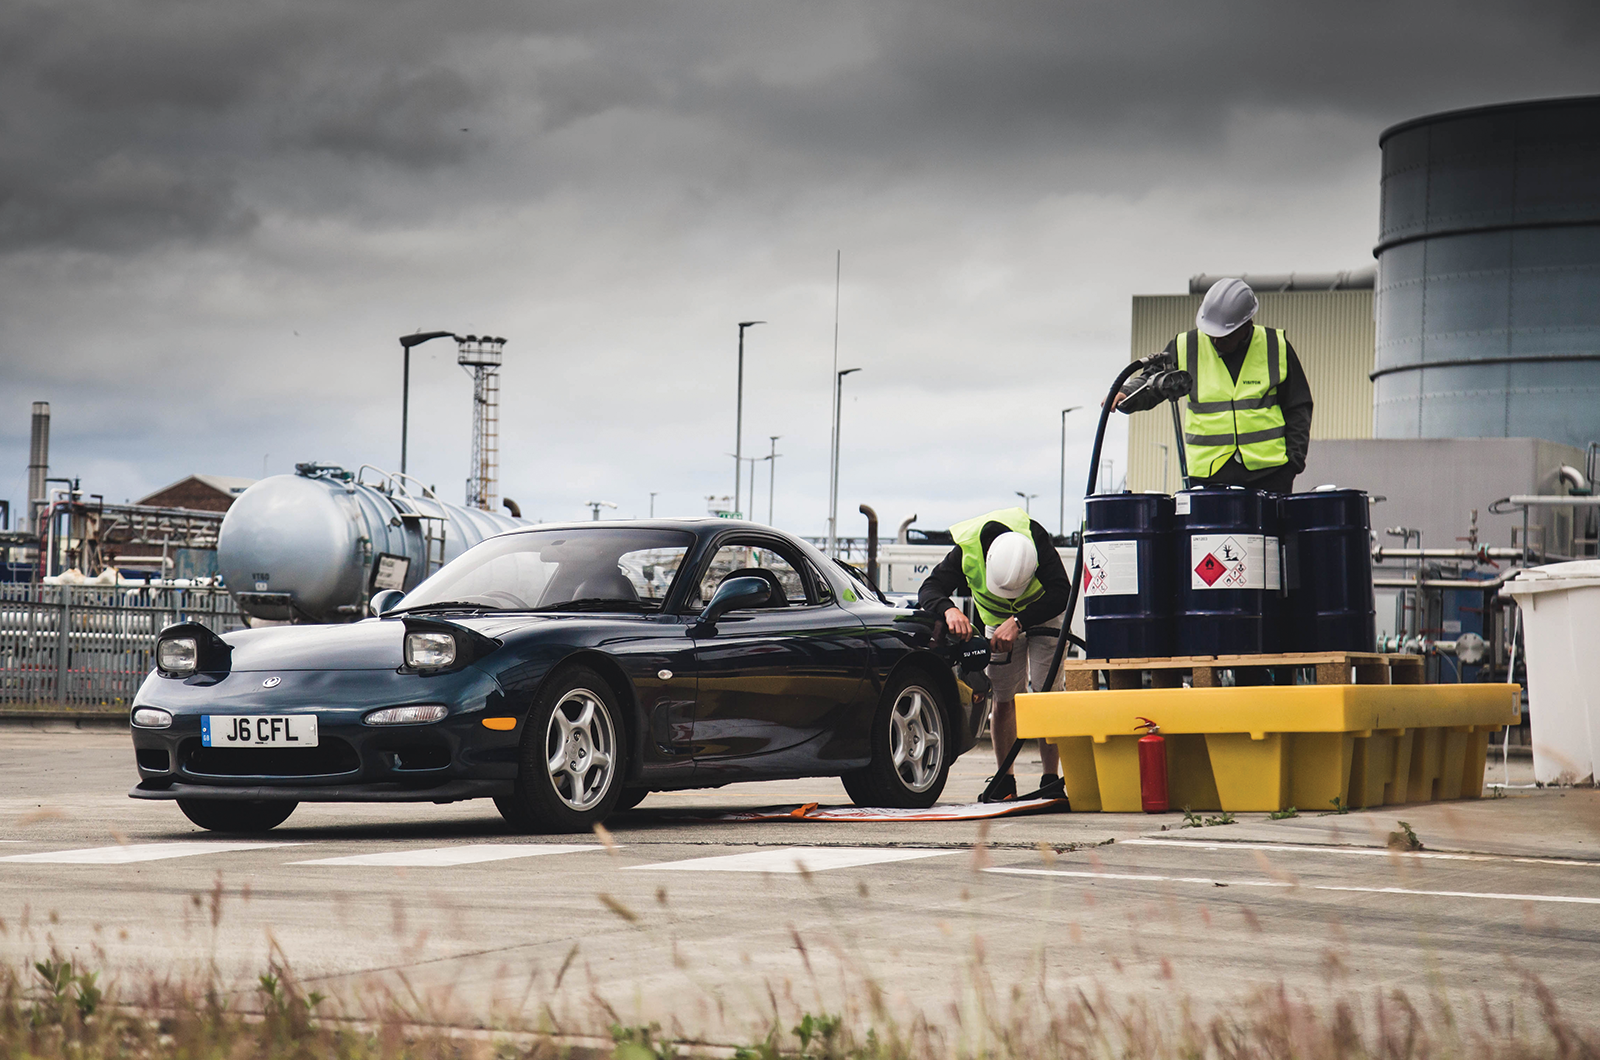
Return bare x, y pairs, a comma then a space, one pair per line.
1005, 789
1051, 787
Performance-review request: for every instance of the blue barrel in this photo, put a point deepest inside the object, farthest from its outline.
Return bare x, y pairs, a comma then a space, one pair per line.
1127, 575
1328, 571
1229, 575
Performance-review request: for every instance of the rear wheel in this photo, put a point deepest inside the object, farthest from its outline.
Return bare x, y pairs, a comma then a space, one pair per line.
630, 798
236, 815
910, 751
570, 766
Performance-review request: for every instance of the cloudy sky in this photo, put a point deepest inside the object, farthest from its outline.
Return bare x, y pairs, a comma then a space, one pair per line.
216, 219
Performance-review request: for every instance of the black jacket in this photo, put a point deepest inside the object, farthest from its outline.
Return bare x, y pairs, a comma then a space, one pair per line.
947, 579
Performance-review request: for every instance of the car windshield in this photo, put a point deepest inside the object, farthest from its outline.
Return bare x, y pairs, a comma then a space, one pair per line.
598, 569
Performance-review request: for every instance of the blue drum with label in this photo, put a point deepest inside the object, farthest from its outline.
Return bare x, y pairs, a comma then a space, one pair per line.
1328, 571
1127, 575
1229, 571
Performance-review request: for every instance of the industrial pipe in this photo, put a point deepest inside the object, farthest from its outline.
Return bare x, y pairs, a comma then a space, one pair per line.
903, 536
872, 543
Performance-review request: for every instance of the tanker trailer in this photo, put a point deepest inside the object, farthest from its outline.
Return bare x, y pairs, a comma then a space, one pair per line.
315, 545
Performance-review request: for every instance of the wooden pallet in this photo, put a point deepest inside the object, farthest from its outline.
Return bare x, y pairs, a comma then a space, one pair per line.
1206, 671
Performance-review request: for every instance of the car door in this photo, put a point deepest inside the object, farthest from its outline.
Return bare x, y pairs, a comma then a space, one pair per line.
771, 680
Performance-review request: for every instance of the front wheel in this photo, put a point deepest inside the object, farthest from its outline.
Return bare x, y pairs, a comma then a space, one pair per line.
910, 752
236, 815
569, 773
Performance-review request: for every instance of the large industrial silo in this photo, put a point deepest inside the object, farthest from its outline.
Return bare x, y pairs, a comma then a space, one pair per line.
1488, 293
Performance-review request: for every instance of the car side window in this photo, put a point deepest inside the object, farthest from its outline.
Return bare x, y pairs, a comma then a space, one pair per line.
753, 560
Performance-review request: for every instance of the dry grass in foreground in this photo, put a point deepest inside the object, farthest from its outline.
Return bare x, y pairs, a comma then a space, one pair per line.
56, 1011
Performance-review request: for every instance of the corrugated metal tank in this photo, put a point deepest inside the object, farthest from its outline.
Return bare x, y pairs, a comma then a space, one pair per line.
1488, 297
306, 547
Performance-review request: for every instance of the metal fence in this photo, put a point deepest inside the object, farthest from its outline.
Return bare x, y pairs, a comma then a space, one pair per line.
85, 646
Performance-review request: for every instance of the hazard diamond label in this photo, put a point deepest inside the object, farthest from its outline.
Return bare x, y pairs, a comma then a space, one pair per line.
1229, 561
1210, 570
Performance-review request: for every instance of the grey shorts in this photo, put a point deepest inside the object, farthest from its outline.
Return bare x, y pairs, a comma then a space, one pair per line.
1025, 666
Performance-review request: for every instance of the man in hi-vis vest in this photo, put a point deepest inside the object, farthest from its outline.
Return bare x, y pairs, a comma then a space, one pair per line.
1009, 566
1247, 419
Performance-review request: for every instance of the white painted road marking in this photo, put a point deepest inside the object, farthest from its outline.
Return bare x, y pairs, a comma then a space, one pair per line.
124, 854
466, 854
791, 859
1151, 878
1378, 852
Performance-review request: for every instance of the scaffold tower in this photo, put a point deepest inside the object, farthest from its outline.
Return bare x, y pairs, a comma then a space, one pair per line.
480, 356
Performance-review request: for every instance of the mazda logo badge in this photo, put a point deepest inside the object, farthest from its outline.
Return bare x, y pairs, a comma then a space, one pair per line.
271, 682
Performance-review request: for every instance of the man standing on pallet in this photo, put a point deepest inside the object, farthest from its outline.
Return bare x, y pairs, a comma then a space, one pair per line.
1007, 563
1247, 421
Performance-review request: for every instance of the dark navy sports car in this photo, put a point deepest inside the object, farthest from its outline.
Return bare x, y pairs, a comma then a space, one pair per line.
565, 672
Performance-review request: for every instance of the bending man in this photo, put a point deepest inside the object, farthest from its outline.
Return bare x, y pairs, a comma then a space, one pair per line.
1006, 562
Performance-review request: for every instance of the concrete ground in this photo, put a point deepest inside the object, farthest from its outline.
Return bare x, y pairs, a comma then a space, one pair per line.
935, 917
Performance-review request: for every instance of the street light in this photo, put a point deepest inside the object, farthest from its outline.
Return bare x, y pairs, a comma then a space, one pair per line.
833, 478
406, 342
653, 503
738, 417
1027, 499
1064, 412
772, 472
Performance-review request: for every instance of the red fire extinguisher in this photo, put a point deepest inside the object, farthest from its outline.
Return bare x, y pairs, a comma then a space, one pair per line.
1152, 768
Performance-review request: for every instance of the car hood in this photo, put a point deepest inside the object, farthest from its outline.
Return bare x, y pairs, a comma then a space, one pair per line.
373, 644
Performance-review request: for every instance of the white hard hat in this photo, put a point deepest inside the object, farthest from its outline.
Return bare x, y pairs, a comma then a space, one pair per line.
1011, 562
1228, 306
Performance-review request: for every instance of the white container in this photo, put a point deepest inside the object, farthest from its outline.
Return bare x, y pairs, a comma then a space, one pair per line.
1561, 632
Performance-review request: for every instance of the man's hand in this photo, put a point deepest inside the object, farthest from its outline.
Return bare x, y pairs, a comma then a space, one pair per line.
1006, 636
1115, 401
958, 625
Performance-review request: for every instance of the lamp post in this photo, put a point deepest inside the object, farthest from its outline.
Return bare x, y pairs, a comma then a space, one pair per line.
833, 478
1027, 500
738, 417
406, 342
1165, 452
653, 503
772, 473
1064, 412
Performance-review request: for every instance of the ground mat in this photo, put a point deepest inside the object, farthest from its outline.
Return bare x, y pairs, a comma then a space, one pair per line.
811, 811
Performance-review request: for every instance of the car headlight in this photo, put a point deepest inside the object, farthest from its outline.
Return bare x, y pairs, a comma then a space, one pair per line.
178, 655
430, 651
151, 718
406, 715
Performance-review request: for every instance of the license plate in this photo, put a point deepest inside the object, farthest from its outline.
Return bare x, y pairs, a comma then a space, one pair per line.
258, 730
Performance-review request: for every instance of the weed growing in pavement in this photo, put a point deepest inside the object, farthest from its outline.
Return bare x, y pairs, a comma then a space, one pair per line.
1283, 815
1405, 839
1191, 819
1222, 818
1338, 807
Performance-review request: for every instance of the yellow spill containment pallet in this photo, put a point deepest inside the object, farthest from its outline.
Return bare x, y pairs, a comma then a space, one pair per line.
1270, 747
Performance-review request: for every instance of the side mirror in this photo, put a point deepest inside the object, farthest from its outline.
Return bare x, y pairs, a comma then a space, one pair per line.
736, 594
386, 600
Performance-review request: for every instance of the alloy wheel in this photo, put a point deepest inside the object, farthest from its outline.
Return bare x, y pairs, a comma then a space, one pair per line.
580, 749
916, 738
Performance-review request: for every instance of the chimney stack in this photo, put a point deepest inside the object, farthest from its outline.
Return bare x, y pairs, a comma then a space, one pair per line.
38, 462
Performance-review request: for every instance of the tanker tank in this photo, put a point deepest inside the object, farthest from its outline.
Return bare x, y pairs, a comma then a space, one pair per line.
315, 545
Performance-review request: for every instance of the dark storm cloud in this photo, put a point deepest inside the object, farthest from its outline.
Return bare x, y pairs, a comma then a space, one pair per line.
138, 124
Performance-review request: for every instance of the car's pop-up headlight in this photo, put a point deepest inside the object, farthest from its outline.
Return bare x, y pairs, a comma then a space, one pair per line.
178, 655
151, 718
406, 715
430, 651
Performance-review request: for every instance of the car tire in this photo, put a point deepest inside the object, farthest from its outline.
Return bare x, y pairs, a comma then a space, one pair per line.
911, 748
236, 815
630, 798
570, 765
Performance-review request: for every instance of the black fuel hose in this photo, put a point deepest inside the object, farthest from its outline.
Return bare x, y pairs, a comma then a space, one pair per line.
1077, 568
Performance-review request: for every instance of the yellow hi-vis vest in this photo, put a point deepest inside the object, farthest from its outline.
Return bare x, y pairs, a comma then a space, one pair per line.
991, 608
1222, 416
